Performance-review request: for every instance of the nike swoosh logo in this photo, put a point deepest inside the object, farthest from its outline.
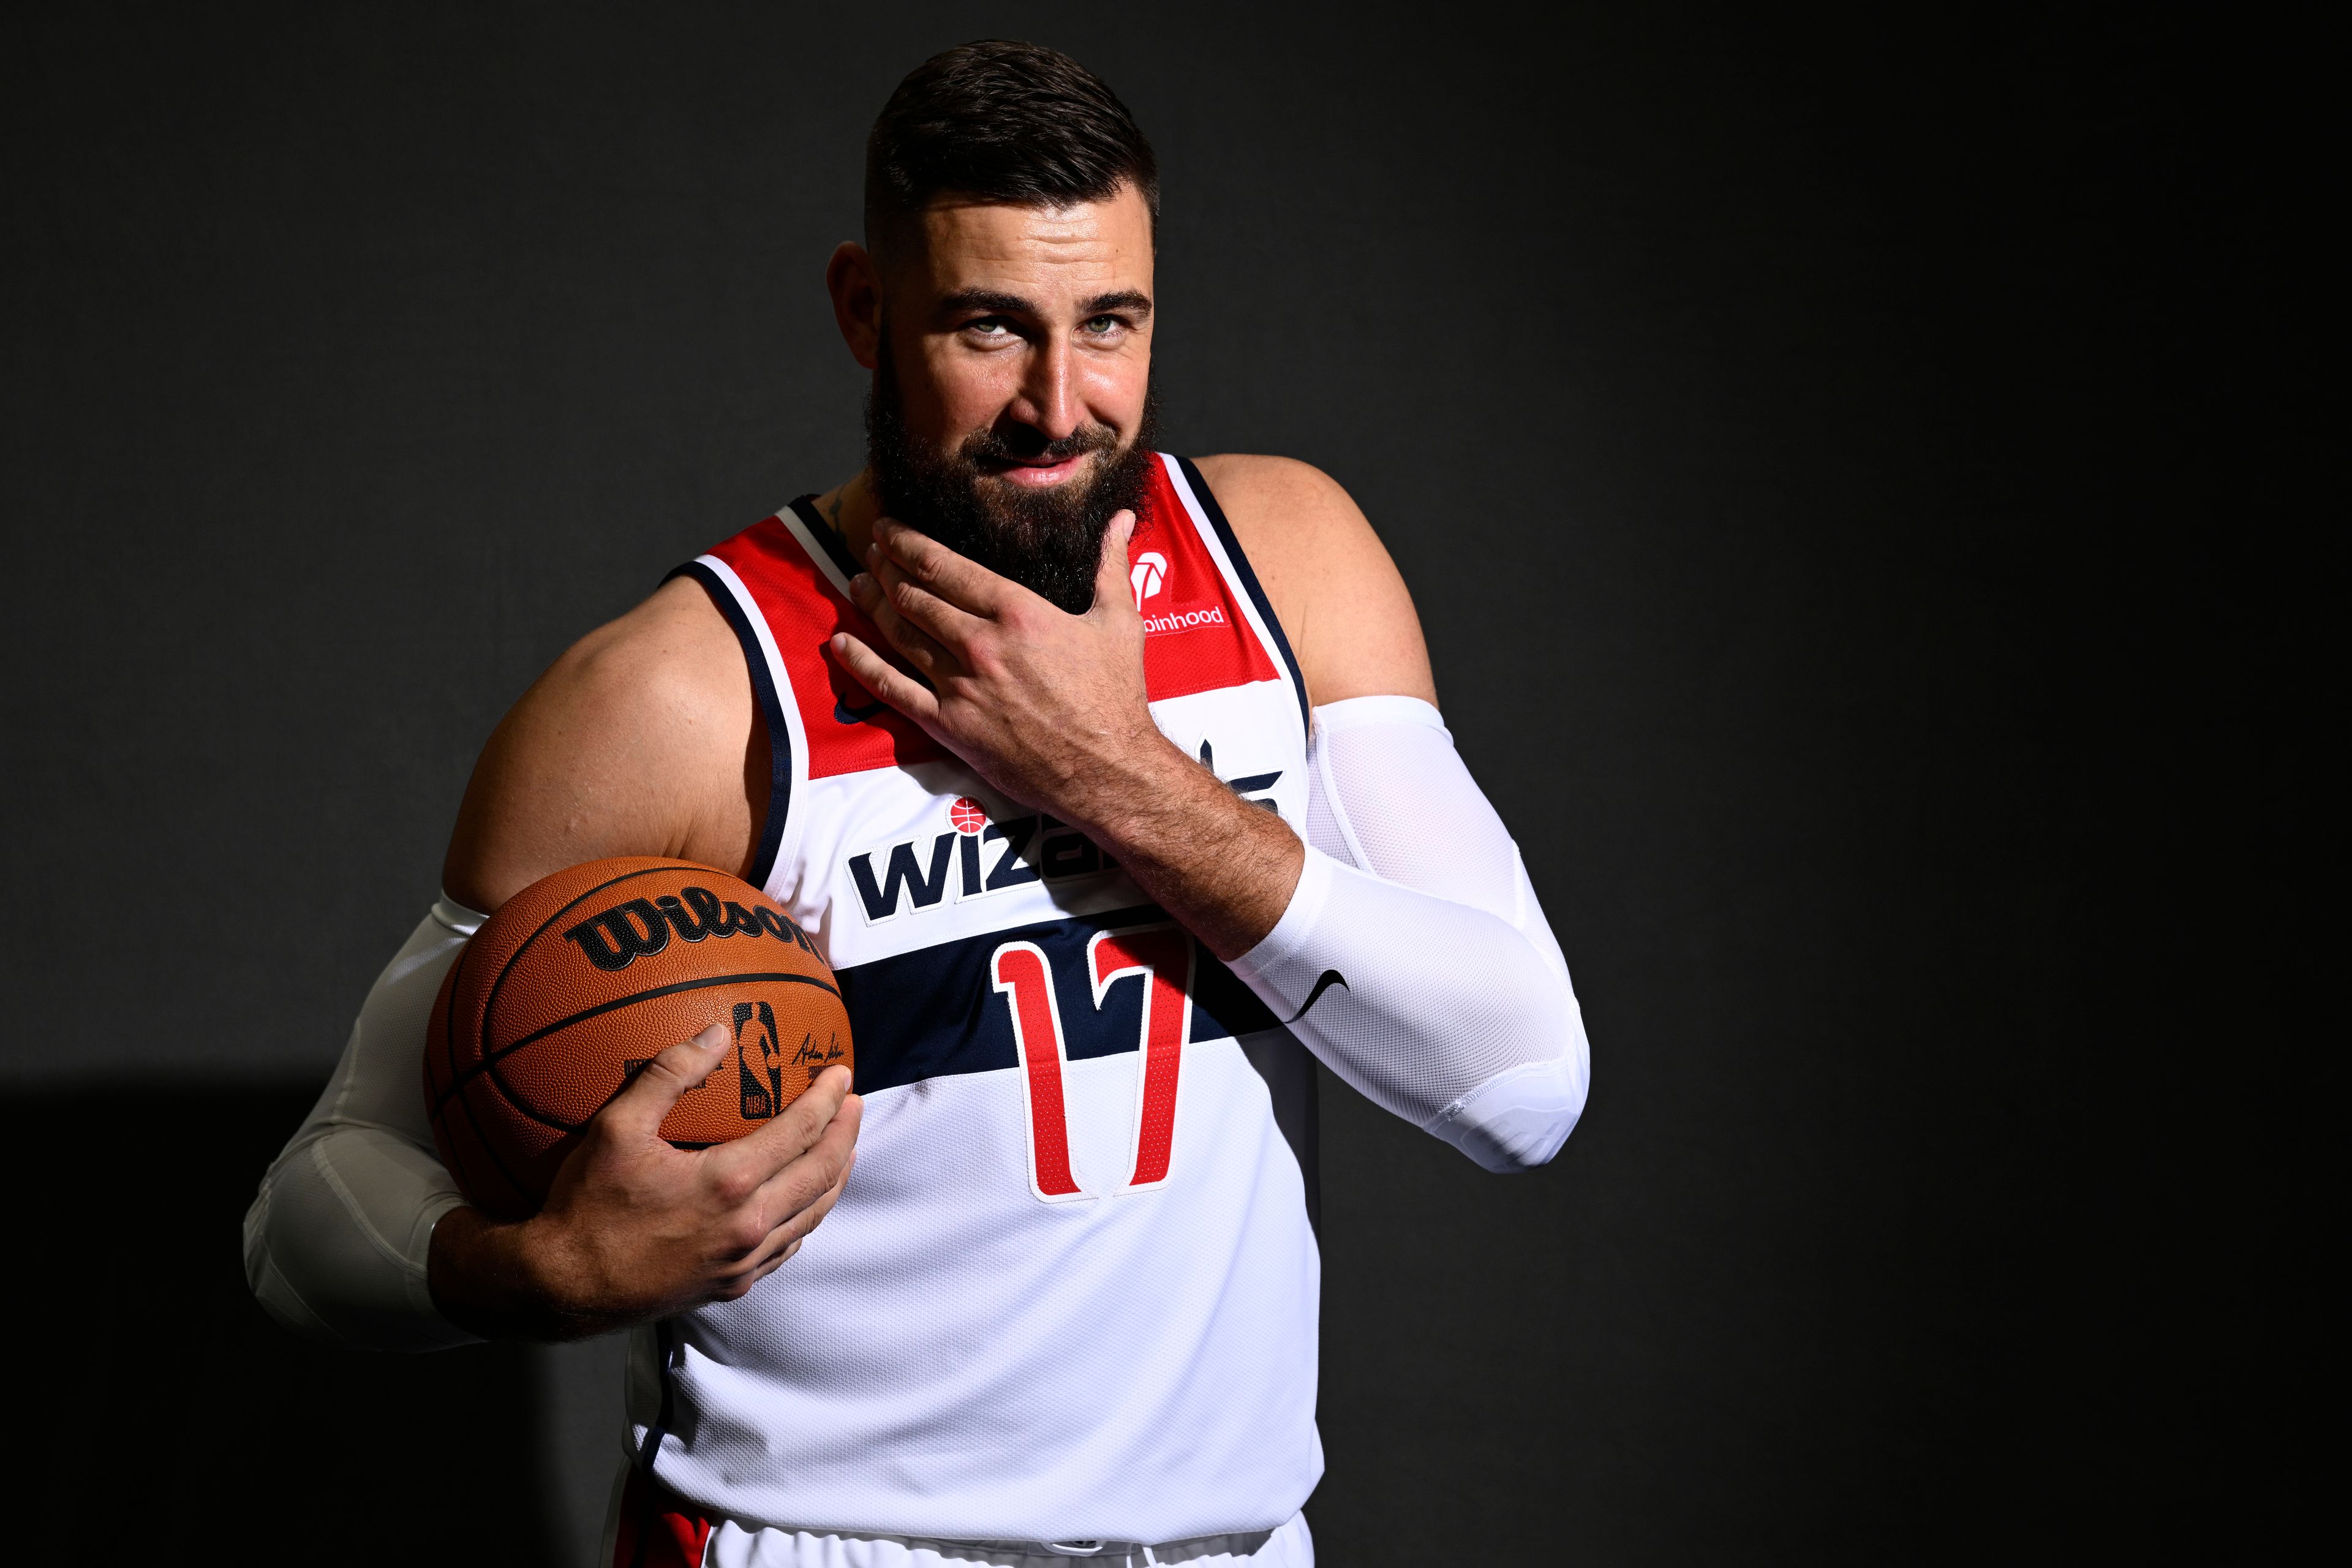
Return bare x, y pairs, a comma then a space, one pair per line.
843, 713
1329, 978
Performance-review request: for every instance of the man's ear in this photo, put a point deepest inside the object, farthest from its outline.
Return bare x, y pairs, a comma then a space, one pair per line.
856, 290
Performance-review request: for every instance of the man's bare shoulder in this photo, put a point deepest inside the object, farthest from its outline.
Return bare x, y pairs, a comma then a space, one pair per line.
1341, 602
635, 741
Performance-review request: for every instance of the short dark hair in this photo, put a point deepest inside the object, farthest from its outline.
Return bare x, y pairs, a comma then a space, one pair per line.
1003, 122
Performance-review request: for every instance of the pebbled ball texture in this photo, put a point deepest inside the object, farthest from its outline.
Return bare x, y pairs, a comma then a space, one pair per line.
584, 976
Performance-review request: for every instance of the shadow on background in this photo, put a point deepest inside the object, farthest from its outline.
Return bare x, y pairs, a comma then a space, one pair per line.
1842, 464
150, 1372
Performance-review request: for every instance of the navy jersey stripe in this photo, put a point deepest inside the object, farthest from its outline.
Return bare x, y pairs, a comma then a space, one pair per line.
772, 709
827, 538
649, 1453
935, 1012
1234, 554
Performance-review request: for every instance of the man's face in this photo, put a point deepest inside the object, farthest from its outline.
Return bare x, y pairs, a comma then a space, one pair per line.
1010, 414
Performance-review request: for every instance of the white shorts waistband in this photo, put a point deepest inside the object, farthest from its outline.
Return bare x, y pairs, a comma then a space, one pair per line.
1289, 1545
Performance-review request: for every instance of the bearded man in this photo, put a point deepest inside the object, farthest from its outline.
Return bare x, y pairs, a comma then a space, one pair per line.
1112, 787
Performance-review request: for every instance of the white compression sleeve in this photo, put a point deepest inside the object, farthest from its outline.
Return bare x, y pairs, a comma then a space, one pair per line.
335, 1244
1414, 942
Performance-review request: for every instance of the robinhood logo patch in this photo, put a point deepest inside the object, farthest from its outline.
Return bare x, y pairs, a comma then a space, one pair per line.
1150, 576
1183, 620
1147, 576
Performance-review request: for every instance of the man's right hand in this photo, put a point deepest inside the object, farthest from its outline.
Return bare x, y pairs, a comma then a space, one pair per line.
635, 1229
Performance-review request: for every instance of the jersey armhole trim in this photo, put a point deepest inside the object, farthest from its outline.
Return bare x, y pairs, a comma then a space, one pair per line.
772, 711
1242, 568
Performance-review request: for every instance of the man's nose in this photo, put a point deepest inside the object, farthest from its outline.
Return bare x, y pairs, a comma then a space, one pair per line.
1048, 401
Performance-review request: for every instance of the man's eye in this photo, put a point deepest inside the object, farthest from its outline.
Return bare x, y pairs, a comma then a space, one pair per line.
988, 328
1102, 324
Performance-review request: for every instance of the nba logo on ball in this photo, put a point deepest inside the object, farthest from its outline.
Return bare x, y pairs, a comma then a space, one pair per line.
1149, 572
561, 998
764, 1087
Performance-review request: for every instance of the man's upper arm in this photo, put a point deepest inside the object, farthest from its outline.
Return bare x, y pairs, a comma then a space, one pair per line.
641, 740
1342, 603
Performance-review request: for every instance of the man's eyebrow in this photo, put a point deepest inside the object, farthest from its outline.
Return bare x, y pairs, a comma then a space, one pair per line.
1128, 300
1132, 301
988, 300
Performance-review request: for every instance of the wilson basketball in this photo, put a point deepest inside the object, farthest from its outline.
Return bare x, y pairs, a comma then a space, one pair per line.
583, 977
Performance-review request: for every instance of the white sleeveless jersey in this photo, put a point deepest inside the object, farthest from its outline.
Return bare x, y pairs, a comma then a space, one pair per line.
1071, 1290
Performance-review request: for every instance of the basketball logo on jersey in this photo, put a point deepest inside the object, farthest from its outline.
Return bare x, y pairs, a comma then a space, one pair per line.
973, 857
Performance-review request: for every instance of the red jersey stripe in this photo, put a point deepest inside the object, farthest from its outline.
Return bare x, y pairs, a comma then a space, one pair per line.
849, 728
1197, 636
657, 1529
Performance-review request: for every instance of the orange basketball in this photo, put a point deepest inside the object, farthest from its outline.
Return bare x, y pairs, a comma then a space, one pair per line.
583, 978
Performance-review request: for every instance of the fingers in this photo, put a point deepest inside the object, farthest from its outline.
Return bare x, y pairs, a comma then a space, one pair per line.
738, 1287
952, 627
748, 1162
793, 1203
892, 685
637, 1111
824, 1168
1113, 593
920, 648
963, 584
792, 1227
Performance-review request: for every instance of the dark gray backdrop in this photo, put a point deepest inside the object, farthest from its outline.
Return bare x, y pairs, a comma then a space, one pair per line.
1787, 430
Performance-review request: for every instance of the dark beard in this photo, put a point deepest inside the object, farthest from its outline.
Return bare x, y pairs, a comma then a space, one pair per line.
1049, 542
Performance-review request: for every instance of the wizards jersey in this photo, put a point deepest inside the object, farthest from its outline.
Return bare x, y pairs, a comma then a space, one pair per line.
1071, 1290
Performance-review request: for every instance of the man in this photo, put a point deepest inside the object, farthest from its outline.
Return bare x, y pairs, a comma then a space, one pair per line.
1017, 722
